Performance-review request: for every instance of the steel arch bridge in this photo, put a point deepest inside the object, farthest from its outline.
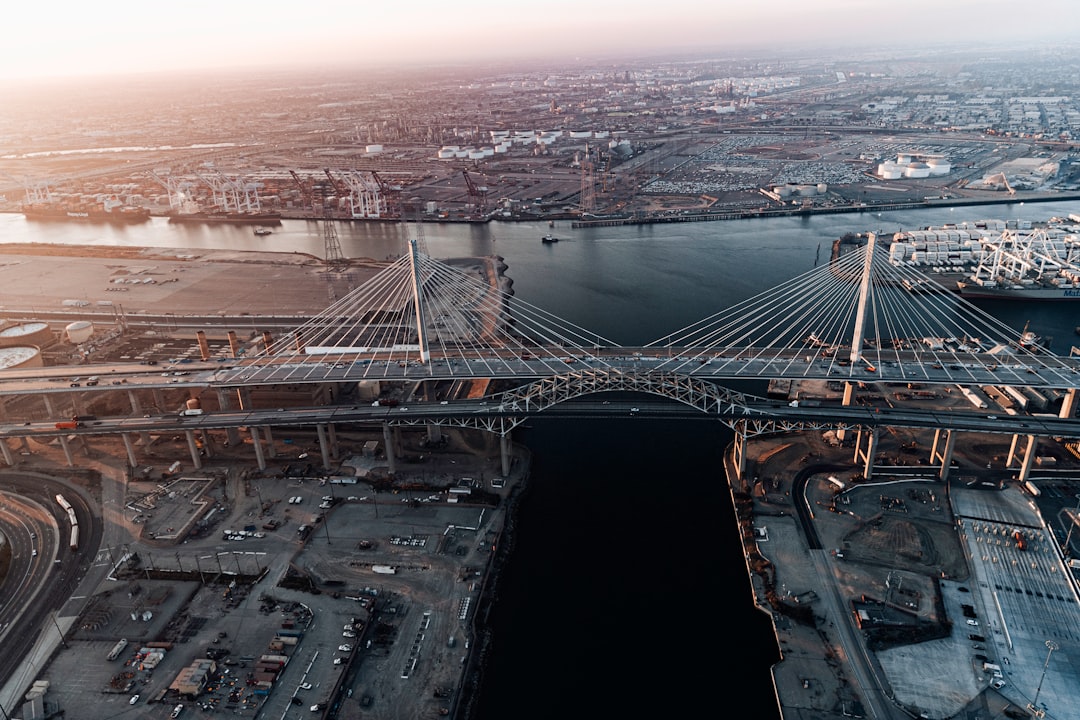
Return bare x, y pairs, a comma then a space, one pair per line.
537, 396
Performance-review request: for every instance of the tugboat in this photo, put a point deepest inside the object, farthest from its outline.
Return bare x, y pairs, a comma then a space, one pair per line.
547, 239
263, 231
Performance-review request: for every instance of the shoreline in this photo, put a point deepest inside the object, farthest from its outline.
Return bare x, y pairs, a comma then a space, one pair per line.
577, 222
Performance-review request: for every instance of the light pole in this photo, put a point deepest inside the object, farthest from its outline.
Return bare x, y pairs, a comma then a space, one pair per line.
1051, 646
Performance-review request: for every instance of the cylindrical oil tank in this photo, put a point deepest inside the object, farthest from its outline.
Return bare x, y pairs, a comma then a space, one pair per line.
20, 356
31, 333
79, 331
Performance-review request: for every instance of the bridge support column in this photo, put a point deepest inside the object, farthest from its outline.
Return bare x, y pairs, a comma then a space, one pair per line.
1029, 458
849, 396
434, 432
504, 453
271, 449
9, 459
137, 409
243, 395
1013, 456
260, 459
1068, 404
66, 447
331, 433
324, 445
49, 411
866, 456
130, 447
193, 449
225, 403
159, 400
207, 447
942, 450
391, 450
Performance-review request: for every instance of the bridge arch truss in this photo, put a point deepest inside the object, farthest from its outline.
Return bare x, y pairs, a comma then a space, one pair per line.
511, 408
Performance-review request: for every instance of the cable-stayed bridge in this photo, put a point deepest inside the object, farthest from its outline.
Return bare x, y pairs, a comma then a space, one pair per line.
456, 335
859, 318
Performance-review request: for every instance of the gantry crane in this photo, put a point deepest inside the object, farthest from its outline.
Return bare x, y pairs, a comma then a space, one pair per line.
477, 194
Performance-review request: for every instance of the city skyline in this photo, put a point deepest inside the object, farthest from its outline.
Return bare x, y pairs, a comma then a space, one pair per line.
116, 37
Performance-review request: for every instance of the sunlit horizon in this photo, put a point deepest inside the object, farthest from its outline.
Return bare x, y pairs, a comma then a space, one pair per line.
124, 37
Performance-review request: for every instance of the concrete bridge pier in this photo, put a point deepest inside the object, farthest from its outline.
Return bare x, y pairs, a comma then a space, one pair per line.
849, 397
391, 448
9, 459
1029, 451
1029, 458
324, 445
1068, 404
66, 447
133, 401
866, 456
137, 410
225, 403
271, 450
49, 411
193, 449
260, 459
331, 432
130, 447
434, 433
206, 444
504, 452
159, 400
1013, 456
942, 450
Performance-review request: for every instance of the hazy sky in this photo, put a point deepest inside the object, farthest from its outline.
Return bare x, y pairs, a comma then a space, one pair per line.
77, 37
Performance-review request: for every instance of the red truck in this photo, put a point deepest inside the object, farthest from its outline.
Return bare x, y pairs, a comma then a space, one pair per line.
68, 425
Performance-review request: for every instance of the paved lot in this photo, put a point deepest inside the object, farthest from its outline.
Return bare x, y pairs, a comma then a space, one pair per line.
941, 554
413, 628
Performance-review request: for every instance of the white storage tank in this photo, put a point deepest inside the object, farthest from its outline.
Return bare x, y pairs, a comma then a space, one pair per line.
79, 331
20, 356
939, 166
31, 333
917, 170
889, 171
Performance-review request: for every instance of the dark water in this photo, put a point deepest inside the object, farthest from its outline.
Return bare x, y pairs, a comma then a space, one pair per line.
627, 595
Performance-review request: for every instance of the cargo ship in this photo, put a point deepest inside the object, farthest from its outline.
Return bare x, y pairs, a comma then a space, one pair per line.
994, 290
103, 213
235, 218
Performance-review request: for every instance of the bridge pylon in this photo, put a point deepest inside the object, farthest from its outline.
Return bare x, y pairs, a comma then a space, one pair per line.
418, 294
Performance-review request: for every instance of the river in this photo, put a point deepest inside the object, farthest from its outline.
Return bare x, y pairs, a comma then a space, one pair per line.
627, 594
